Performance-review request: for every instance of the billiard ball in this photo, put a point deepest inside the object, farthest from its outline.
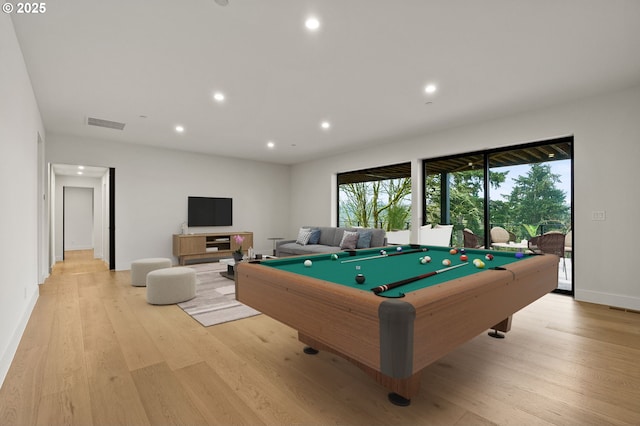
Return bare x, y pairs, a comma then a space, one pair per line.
360, 278
462, 251
489, 256
383, 252
519, 255
446, 262
479, 264
475, 261
308, 263
399, 249
464, 258
453, 251
334, 256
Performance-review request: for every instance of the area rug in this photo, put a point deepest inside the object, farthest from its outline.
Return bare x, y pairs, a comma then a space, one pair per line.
215, 301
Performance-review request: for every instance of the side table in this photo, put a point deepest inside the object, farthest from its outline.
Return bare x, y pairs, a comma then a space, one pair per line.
275, 239
231, 265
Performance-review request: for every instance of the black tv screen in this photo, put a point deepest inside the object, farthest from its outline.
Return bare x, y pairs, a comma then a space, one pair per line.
209, 211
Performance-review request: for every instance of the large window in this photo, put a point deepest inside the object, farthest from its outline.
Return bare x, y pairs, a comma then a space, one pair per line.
454, 194
505, 197
376, 198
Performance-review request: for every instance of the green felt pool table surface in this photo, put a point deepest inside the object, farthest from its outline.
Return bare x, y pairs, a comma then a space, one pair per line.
393, 267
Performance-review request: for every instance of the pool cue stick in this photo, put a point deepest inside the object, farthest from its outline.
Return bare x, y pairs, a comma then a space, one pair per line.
385, 287
385, 255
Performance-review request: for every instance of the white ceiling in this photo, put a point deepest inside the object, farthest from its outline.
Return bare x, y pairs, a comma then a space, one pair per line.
73, 169
364, 70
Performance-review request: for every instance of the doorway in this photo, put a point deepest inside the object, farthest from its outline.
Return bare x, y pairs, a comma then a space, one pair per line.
82, 211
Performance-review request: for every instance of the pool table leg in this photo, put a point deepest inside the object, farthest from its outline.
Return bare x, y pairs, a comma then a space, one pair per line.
504, 326
402, 389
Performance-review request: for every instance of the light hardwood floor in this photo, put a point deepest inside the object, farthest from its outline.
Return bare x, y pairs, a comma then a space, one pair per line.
95, 353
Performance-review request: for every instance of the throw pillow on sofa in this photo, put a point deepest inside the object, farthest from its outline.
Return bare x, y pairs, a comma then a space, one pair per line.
349, 240
315, 236
364, 239
303, 236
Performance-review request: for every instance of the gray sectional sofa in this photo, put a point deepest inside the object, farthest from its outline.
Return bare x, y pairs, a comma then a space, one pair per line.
328, 239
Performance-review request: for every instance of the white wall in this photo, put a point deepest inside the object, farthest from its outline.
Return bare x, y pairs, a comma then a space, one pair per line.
20, 125
78, 218
606, 133
152, 186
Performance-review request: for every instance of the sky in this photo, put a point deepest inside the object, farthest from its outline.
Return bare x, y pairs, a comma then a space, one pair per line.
561, 167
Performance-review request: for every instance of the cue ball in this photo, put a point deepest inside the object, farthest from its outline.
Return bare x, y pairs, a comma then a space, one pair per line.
308, 263
489, 256
446, 262
519, 255
464, 258
453, 251
334, 256
360, 278
399, 249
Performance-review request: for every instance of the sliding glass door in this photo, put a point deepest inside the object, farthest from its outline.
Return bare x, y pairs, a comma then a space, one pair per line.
502, 199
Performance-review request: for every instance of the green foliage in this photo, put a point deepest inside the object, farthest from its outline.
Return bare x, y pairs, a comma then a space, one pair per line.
535, 198
397, 217
356, 209
376, 203
466, 195
530, 229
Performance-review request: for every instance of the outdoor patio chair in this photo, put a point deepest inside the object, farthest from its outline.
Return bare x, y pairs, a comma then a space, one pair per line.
471, 240
550, 243
500, 235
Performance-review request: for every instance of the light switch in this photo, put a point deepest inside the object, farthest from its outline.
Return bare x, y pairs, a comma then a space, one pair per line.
598, 215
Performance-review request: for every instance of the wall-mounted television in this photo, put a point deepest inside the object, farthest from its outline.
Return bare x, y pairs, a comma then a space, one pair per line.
210, 211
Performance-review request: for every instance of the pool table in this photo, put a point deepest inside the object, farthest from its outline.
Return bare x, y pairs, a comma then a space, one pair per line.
394, 334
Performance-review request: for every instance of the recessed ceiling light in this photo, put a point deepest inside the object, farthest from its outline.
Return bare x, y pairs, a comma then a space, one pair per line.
270, 144
219, 97
81, 167
312, 23
430, 88
179, 129
79, 173
325, 125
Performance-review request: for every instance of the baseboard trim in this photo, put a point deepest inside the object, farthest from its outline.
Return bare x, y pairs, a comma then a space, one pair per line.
609, 299
12, 347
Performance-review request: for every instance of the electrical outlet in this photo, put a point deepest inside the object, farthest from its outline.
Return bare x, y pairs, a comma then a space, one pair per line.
598, 215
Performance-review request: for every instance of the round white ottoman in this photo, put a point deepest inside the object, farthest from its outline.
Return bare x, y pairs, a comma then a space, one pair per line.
141, 267
171, 285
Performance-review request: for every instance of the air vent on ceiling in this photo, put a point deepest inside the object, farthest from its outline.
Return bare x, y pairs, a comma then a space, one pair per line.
105, 123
